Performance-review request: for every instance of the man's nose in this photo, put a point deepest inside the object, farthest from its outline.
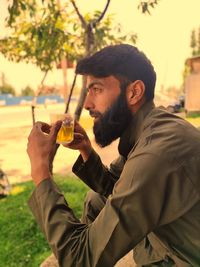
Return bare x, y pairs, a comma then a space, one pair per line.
89, 103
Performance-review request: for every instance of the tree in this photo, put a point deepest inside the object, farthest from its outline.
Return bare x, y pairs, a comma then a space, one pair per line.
27, 91
195, 42
95, 36
49, 90
198, 41
43, 32
146, 5
195, 51
38, 33
6, 88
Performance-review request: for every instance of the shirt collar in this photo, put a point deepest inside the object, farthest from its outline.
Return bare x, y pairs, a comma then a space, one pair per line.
133, 131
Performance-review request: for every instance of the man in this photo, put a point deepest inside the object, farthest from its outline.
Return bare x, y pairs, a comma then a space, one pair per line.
149, 199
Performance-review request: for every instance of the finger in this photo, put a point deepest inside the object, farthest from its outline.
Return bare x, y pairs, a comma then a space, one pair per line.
54, 130
77, 125
46, 128
78, 138
36, 128
42, 127
78, 128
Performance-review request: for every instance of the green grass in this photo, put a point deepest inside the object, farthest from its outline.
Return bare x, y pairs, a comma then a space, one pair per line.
193, 115
195, 120
21, 241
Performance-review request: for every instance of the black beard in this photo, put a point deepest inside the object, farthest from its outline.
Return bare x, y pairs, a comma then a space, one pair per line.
113, 122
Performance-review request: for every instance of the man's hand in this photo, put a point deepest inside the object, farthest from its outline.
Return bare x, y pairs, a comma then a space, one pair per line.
41, 147
81, 142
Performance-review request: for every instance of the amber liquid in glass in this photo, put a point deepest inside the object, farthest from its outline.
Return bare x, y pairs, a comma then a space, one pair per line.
66, 133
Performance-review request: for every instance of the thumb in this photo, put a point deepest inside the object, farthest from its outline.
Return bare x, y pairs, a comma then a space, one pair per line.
54, 130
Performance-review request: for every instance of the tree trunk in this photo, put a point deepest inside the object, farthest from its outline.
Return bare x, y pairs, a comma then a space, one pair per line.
89, 45
89, 48
33, 114
65, 86
81, 100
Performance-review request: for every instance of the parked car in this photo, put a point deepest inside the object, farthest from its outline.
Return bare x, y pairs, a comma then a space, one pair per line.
177, 106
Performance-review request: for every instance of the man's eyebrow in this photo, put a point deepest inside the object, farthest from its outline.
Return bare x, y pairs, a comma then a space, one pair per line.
94, 83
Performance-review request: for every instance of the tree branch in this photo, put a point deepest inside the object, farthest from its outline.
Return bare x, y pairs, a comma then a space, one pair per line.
102, 14
79, 14
70, 94
42, 82
44, 77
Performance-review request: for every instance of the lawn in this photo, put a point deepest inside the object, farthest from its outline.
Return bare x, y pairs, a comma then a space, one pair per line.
195, 120
21, 241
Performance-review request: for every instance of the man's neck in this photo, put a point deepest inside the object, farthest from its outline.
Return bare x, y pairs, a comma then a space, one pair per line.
134, 129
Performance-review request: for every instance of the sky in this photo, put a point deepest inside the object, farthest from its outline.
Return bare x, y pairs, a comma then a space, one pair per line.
164, 37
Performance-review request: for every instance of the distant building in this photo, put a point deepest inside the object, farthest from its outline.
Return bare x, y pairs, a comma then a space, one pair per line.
192, 86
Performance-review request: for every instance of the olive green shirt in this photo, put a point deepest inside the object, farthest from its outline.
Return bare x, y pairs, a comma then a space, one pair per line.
153, 203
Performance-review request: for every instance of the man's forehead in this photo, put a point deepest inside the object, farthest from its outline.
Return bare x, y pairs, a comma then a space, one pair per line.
93, 79
101, 81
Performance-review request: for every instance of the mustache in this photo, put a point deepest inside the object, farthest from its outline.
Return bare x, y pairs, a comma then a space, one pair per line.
94, 113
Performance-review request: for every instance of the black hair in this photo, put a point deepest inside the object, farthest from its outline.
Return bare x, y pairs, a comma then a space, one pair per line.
120, 61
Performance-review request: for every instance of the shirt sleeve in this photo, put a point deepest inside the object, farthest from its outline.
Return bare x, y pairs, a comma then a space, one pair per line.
143, 198
96, 175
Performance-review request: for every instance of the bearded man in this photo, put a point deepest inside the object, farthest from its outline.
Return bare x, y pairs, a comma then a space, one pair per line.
148, 200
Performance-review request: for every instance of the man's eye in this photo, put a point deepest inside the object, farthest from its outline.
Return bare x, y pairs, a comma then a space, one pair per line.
97, 90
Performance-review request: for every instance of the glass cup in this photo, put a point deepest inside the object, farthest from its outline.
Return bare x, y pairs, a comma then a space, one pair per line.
66, 132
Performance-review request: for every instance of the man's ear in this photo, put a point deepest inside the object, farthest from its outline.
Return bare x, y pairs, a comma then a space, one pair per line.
135, 92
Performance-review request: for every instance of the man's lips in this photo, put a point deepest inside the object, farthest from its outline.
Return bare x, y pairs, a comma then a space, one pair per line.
96, 118
95, 115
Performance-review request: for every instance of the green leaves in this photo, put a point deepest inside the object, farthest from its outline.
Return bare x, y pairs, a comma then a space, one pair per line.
27, 91
107, 34
38, 33
145, 6
195, 42
7, 89
42, 32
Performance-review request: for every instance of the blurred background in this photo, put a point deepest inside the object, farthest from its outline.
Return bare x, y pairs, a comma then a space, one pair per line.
40, 44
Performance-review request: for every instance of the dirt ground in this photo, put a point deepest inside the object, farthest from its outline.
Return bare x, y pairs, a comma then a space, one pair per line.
14, 160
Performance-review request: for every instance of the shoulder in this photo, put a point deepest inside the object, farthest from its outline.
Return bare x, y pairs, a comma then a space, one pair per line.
169, 136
